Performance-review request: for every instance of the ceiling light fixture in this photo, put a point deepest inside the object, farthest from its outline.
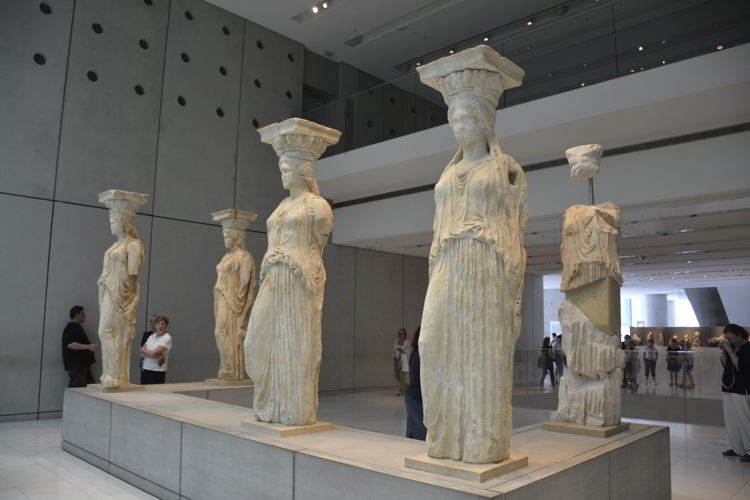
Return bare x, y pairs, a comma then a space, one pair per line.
486, 39
719, 47
583, 84
451, 51
664, 62
640, 48
530, 22
315, 9
325, 5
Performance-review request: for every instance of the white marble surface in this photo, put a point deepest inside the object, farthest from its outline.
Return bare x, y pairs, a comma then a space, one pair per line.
283, 344
471, 318
119, 290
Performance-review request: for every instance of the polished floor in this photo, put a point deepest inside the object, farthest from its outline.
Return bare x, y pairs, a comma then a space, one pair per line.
32, 465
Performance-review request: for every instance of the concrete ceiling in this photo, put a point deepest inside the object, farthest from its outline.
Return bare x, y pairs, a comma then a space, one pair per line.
670, 245
392, 32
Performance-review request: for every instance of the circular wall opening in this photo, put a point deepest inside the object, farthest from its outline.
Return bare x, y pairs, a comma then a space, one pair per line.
143, 44
188, 15
139, 90
92, 76
223, 70
220, 112
255, 123
45, 8
97, 28
185, 57
226, 31
181, 101
39, 59
257, 83
259, 44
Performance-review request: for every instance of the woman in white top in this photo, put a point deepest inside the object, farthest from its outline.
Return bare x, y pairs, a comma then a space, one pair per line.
155, 353
401, 351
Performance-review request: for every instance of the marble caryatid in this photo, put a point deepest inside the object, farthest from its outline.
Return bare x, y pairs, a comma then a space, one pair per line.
584, 160
234, 293
589, 245
118, 287
471, 318
283, 344
590, 315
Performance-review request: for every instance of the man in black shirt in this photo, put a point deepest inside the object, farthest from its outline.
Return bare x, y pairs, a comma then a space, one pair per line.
735, 385
77, 351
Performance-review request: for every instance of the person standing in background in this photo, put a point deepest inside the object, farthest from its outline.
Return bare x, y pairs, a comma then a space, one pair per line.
401, 352
674, 363
650, 355
687, 357
545, 362
415, 428
147, 333
735, 388
558, 356
77, 351
156, 353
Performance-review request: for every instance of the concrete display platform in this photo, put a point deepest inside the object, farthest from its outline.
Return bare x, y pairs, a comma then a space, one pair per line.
122, 388
177, 446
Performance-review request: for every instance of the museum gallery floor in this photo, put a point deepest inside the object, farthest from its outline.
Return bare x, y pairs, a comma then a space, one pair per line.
175, 445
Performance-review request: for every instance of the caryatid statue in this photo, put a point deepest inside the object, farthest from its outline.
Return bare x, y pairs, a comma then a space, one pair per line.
590, 315
283, 344
118, 287
471, 318
234, 293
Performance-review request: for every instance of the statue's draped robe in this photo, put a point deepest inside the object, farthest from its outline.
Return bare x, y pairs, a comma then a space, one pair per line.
283, 344
234, 292
118, 300
471, 317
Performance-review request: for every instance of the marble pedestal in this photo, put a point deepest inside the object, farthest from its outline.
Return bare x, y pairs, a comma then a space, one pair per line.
179, 447
585, 430
281, 430
122, 388
229, 383
471, 472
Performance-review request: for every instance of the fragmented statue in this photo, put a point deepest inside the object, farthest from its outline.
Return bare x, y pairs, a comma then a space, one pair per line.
283, 344
471, 318
118, 286
590, 315
234, 293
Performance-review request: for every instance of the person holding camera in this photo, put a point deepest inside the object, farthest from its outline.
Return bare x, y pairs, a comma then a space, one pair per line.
735, 387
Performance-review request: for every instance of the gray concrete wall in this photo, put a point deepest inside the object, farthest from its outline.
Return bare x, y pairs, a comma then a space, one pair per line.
65, 137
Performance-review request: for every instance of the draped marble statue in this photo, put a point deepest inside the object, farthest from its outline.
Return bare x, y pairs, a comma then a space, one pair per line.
234, 293
471, 318
283, 344
590, 315
118, 287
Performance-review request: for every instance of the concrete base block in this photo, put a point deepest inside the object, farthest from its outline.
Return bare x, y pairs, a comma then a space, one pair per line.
600, 302
586, 430
229, 383
471, 472
124, 388
281, 430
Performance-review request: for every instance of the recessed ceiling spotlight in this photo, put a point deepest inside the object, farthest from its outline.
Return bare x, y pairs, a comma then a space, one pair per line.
583, 84
632, 71
719, 47
640, 48
419, 63
315, 9
451, 51
325, 5
529, 22
486, 39
664, 62
663, 42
